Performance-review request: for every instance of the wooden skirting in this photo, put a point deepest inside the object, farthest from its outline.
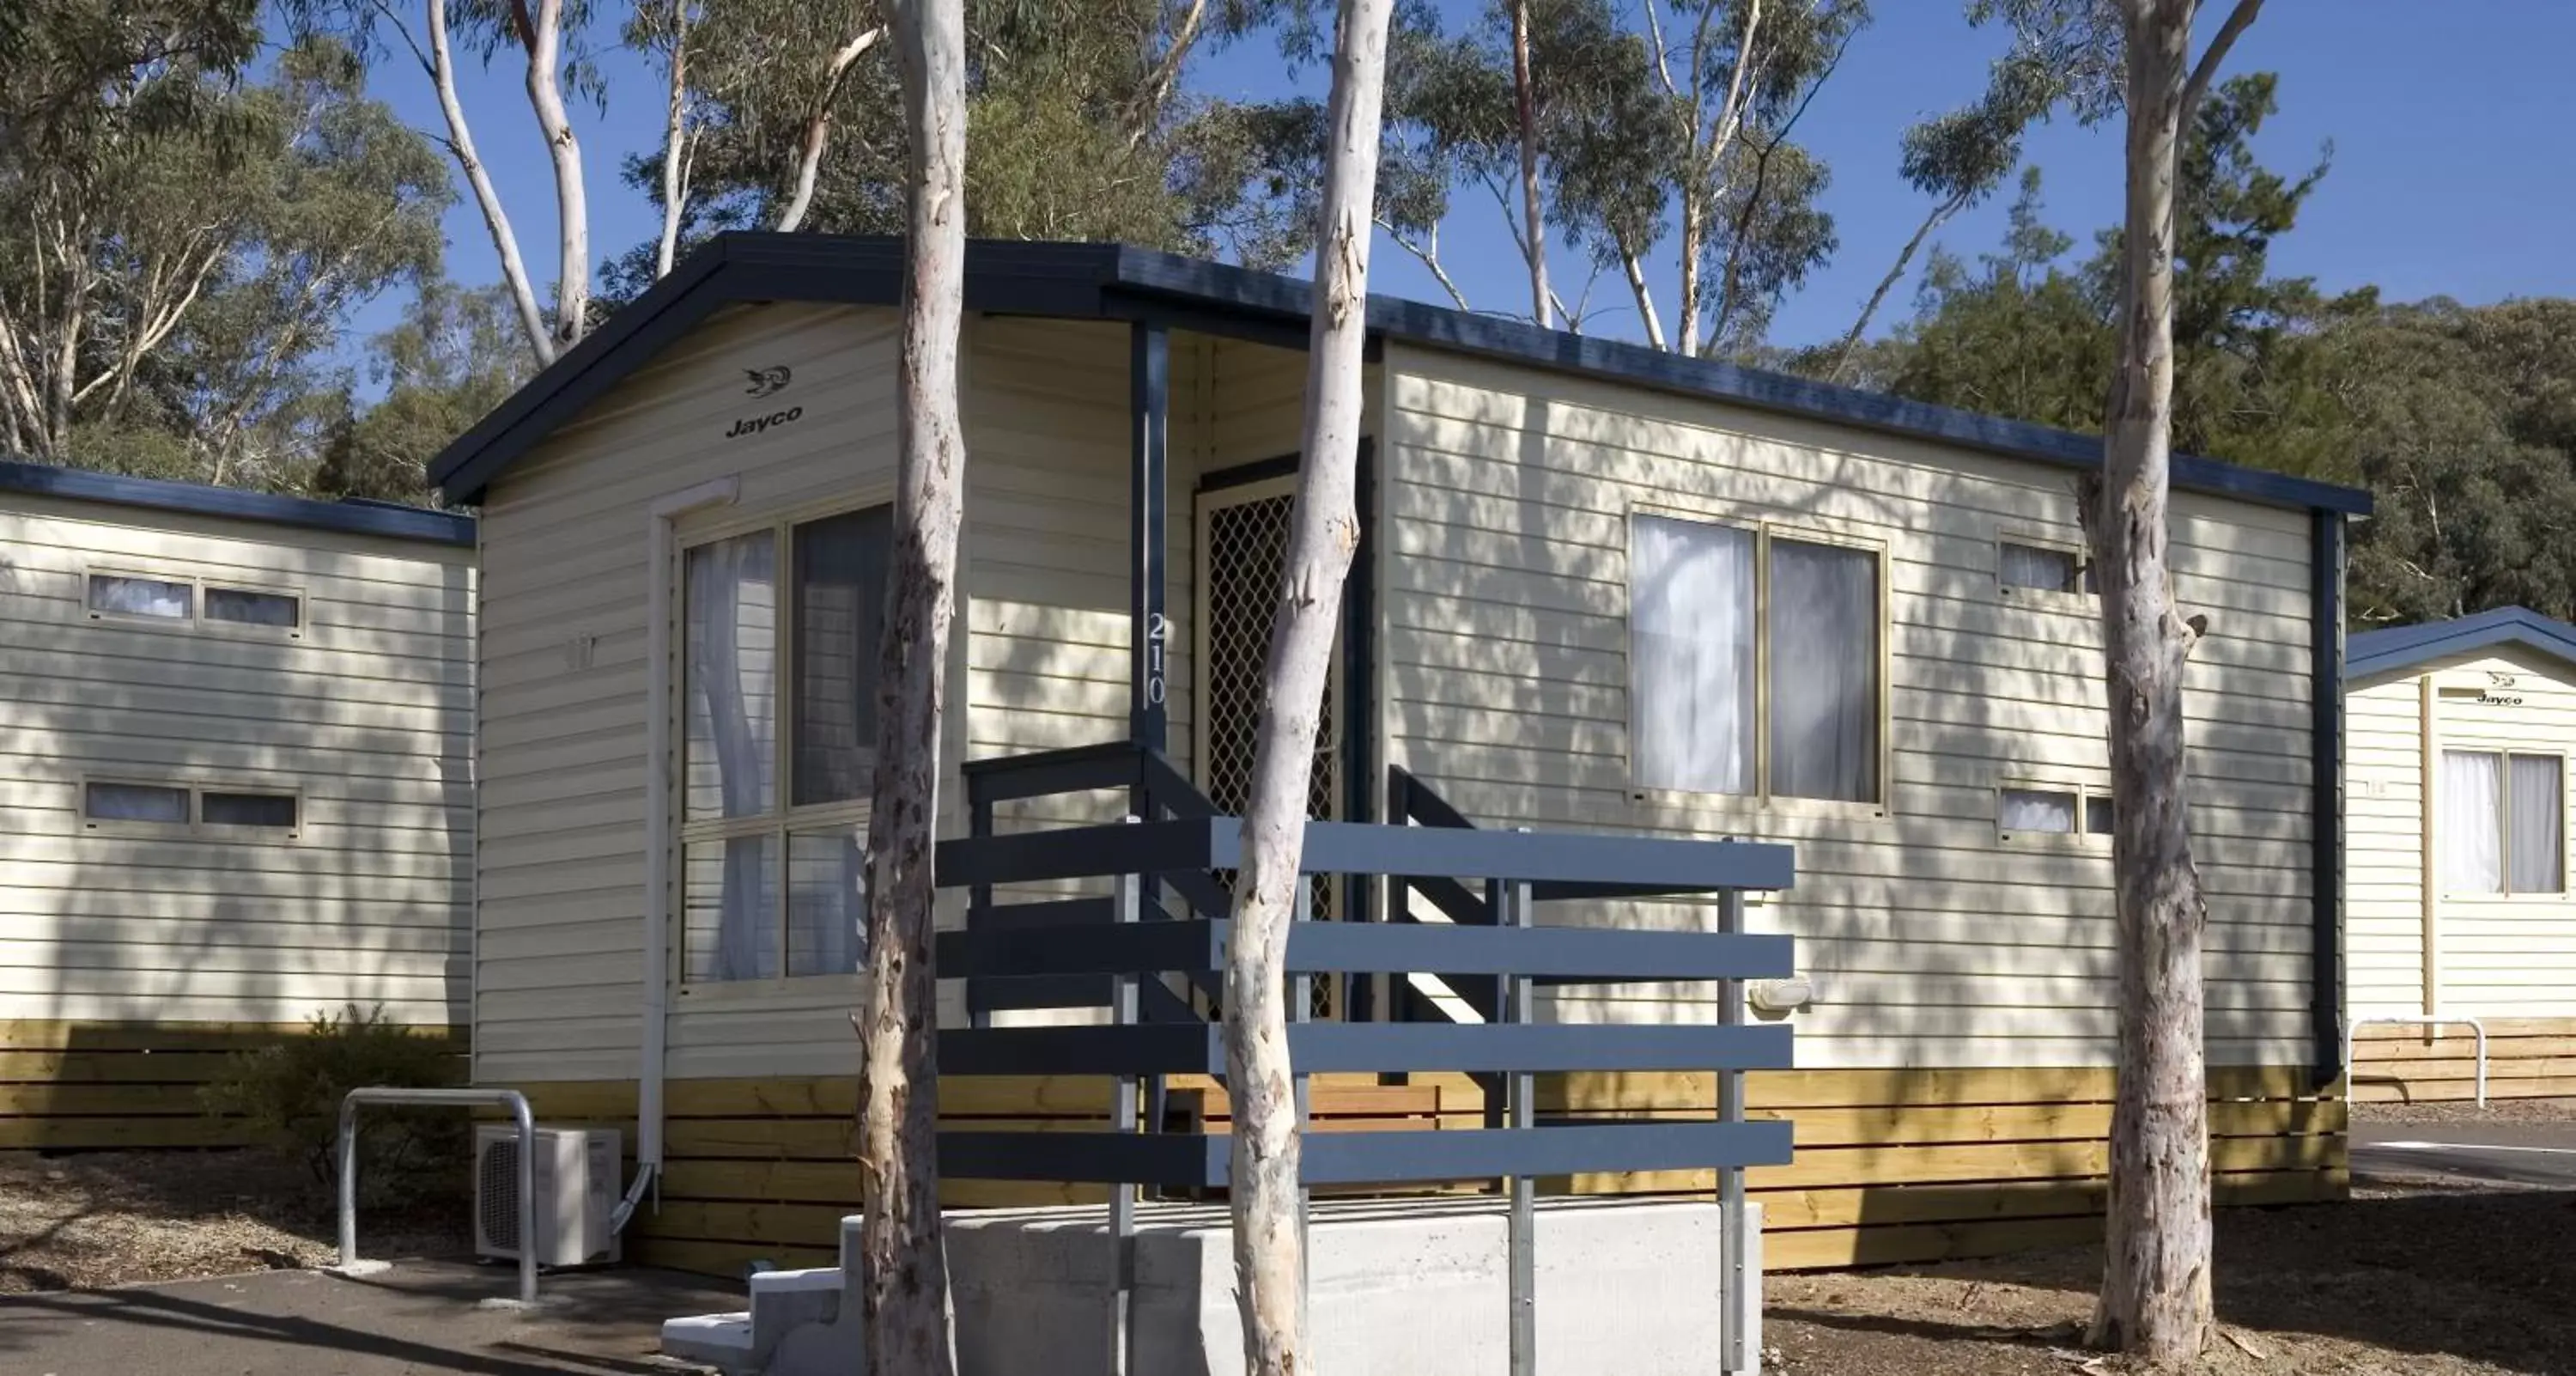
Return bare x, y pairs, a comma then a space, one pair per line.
1891, 1166
2527, 1058
87, 1085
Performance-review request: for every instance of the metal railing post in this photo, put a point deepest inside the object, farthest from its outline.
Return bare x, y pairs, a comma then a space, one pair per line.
1737, 1355
523, 1123
1122, 1197
2430, 1022
1520, 1007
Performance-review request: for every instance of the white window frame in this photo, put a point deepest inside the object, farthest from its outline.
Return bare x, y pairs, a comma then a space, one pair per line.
2082, 837
196, 620
784, 819
2505, 891
1764, 529
2083, 596
193, 828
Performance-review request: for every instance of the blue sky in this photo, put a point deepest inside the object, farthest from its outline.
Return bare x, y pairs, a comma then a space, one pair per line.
2454, 172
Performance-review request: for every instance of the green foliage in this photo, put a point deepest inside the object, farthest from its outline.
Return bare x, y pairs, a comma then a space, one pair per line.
291, 1092
456, 355
192, 241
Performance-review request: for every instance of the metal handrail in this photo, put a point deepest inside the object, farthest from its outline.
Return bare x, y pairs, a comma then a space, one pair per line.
524, 1122
2419, 1020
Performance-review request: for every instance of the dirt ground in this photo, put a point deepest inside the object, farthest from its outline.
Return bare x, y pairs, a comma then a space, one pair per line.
90, 1219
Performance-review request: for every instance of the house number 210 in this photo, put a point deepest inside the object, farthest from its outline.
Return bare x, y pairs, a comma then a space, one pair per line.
1158, 631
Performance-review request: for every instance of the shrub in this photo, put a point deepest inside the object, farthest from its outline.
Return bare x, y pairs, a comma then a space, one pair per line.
291, 1091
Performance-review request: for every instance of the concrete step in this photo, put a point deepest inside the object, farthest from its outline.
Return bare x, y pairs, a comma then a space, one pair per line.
784, 1301
722, 1341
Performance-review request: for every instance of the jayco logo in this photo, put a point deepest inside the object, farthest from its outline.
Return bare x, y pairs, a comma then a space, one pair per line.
766, 382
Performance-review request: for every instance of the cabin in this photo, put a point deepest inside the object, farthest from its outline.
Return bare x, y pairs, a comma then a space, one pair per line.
2456, 818
1600, 589
234, 788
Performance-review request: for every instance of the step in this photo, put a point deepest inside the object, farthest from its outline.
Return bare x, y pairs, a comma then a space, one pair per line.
783, 1301
722, 1341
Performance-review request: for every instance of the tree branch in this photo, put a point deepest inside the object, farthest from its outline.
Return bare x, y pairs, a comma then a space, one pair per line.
1428, 252
818, 128
2239, 20
675, 141
1159, 84
460, 143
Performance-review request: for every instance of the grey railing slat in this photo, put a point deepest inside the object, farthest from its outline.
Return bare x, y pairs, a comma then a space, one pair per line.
1331, 1048
1355, 1158
1556, 954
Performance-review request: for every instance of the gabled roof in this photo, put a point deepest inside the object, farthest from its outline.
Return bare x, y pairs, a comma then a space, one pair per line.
2400, 647
1116, 282
352, 516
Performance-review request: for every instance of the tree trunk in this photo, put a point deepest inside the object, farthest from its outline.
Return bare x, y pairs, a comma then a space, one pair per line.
2156, 1282
1635, 268
903, 1266
1269, 1253
572, 206
460, 142
675, 143
1534, 235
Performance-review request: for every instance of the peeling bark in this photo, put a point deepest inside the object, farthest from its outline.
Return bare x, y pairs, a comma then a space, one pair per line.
903, 1264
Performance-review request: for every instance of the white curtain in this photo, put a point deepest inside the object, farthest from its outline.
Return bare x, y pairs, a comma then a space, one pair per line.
2470, 822
2032, 809
731, 748
2539, 828
110, 592
2030, 566
1824, 671
1690, 655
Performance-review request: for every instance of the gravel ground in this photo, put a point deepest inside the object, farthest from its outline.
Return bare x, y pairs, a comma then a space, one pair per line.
2411, 1277
90, 1219
2467, 1111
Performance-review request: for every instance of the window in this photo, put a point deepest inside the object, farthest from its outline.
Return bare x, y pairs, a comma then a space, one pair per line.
2021, 566
122, 594
191, 600
253, 607
779, 705
2052, 810
197, 808
1754, 662
102, 802
2502, 827
232, 808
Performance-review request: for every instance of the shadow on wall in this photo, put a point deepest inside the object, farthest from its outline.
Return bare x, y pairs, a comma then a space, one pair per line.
115, 927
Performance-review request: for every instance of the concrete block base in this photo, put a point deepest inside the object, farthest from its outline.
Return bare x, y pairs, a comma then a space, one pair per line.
1398, 1288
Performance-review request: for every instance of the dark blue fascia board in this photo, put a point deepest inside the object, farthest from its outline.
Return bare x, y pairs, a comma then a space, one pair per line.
2400, 647
385, 519
1114, 281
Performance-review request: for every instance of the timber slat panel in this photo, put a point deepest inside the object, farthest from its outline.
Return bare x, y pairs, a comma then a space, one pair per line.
1892, 1165
116, 1086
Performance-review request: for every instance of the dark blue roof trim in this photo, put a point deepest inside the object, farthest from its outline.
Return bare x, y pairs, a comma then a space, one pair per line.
1112, 281
350, 518
2399, 647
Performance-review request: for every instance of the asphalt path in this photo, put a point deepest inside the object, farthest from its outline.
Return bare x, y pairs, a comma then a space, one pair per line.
2541, 1154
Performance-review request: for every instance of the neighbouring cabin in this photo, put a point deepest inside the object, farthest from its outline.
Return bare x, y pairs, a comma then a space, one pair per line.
1600, 589
2456, 814
238, 735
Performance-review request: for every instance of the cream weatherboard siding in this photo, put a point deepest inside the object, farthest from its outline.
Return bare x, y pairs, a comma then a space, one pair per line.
366, 715
1042, 663
2511, 957
1933, 941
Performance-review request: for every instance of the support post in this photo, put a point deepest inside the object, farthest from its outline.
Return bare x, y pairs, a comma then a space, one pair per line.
1149, 375
1122, 1117
1739, 1350
1301, 1008
1518, 1006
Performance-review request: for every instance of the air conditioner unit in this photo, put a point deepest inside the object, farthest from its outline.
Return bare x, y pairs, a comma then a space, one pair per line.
576, 1194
